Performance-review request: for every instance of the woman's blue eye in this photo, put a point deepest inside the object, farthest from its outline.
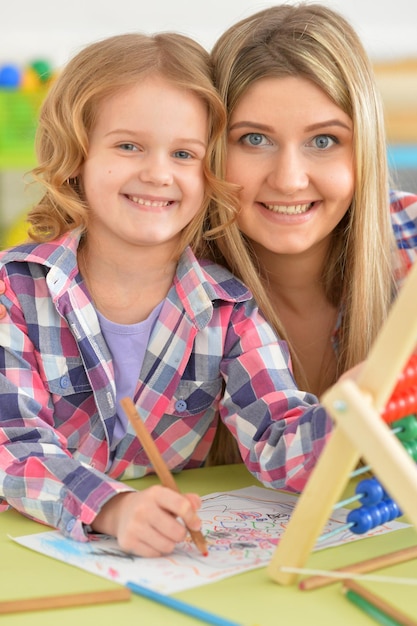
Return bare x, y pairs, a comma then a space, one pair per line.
253, 139
323, 141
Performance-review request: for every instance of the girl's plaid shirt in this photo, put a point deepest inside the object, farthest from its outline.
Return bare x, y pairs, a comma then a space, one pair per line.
211, 355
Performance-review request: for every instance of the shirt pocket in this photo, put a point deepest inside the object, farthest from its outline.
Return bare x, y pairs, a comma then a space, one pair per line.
195, 397
64, 376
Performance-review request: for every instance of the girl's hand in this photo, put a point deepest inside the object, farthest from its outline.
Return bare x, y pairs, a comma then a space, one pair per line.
149, 523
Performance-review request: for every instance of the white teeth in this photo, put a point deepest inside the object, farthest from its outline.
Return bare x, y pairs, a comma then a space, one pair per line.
143, 202
288, 210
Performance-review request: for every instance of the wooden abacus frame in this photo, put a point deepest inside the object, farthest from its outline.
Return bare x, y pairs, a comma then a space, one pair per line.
359, 432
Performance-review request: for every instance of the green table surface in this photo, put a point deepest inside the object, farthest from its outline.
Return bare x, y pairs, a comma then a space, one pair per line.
251, 599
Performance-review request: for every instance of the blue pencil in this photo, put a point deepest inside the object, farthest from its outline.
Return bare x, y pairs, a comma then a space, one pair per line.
179, 605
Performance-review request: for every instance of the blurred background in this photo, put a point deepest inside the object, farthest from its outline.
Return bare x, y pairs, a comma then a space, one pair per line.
37, 38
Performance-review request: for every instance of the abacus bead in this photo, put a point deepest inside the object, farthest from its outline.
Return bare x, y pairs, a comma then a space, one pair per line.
411, 447
391, 411
408, 427
371, 490
376, 515
387, 412
400, 405
361, 521
394, 509
384, 510
411, 401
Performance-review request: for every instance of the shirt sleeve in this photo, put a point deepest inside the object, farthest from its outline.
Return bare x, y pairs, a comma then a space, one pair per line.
403, 207
281, 430
38, 474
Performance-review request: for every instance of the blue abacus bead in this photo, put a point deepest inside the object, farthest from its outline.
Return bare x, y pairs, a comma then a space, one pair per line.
408, 427
371, 490
384, 511
376, 515
394, 509
361, 521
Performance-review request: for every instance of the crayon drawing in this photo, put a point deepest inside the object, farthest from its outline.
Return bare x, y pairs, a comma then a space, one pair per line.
242, 529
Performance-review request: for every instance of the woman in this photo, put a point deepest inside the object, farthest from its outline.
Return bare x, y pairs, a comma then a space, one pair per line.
321, 243
306, 149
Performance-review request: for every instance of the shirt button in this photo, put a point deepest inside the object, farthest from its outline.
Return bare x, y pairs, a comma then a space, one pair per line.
180, 406
70, 525
65, 382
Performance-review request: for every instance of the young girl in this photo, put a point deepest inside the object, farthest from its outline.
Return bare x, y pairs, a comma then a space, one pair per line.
109, 300
306, 149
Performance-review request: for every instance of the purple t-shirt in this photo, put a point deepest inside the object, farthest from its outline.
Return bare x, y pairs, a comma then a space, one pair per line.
127, 344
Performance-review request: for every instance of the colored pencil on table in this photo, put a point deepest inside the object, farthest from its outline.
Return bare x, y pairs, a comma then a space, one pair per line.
375, 606
179, 605
362, 567
66, 600
158, 462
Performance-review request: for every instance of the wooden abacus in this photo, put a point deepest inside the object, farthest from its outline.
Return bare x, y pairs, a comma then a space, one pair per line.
359, 432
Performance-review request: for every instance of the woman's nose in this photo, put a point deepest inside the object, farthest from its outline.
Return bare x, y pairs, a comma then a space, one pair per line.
289, 173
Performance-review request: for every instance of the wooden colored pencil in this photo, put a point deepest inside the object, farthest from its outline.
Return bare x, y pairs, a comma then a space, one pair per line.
43, 603
362, 567
369, 609
376, 605
158, 462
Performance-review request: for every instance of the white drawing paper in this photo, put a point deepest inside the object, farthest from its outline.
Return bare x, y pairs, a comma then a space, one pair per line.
242, 529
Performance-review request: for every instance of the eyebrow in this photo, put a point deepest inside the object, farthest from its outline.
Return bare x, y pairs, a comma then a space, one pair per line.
132, 133
245, 124
269, 129
334, 122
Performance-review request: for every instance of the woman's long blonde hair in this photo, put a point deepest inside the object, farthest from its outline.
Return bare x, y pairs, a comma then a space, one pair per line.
316, 43
69, 112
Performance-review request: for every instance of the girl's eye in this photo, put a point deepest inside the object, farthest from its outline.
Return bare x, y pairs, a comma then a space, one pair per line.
324, 141
129, 147
254, 139
182, 154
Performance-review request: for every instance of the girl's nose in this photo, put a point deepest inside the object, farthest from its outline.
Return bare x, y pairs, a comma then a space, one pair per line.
289, 173
156, 169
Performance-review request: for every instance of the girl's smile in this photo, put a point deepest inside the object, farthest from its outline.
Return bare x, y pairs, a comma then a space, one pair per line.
143, 177
151, 203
